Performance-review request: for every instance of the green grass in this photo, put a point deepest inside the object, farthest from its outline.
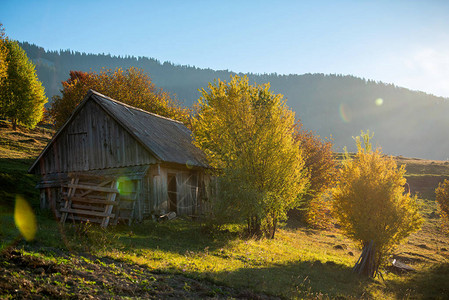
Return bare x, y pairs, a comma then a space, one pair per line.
18, 149
186, 260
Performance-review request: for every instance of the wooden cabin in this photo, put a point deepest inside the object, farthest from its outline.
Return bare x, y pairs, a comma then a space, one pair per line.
145, 162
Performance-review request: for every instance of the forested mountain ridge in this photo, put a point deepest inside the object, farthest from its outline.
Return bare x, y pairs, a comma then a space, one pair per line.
405, 122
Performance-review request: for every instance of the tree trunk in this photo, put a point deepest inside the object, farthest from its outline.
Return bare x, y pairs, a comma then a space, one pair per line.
367, 264
274, 229
254, 226
14, 124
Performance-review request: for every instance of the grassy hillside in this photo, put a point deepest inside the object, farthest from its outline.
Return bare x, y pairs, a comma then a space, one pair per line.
181, 259
18, 149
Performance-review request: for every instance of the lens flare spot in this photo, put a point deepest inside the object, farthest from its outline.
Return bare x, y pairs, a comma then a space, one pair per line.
379, 101
189, 164
25, 219
344, 113
124, 185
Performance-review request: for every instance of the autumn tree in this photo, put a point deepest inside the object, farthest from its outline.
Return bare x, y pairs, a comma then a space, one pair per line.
132, 86
320, 163
3, 53
442, 198
22, 96
372, 206
247, 133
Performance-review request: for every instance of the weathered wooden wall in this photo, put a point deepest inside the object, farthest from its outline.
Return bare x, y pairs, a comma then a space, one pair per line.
93, 140
189, 187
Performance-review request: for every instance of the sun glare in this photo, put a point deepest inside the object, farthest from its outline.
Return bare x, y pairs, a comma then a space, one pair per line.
379, 101
344, 115
25, 219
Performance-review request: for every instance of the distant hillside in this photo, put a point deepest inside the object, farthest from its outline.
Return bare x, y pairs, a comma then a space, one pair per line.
405, 122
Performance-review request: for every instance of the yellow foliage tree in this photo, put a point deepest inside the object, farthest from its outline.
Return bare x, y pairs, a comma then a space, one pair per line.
22, 95
131, 86
371, 205
247, 133
442, 198
3, 54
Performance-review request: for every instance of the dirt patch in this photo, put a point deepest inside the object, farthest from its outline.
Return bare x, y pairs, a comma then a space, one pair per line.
27, 276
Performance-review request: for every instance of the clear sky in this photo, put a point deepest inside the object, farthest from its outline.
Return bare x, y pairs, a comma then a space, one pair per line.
400, 42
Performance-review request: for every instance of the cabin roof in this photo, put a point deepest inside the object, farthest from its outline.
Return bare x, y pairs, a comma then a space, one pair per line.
168, 140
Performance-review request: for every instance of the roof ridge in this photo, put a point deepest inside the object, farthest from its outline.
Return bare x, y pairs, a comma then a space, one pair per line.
133, 107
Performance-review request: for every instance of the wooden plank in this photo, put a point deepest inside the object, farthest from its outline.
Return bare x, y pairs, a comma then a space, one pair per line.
93, 201
84, 219
107, 138
93, 188
102, 184
87, 207
68, 203
87, 212
108, 208
138, 186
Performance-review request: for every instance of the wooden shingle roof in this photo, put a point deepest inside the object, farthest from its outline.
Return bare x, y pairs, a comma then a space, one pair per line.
168, 140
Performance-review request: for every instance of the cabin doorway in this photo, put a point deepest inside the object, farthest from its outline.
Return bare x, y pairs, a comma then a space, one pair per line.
172, 193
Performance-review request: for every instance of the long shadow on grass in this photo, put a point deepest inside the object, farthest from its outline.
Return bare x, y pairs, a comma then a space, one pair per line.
176, 236
432, 283
303, 279
15, 180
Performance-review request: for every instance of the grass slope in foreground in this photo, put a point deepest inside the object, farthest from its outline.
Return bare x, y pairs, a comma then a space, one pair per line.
179, 259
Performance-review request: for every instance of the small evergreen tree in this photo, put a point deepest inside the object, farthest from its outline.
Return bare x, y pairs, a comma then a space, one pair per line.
247, 132
371, 205
22, 96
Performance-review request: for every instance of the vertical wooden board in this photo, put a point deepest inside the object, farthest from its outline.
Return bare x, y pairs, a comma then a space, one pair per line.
47, 161
85, 151
160, 191
123, 147
147, 194
52, 161
150, 188
89, 141
163, 189
60, 161
156, 194
138, 189
128, 151
96, 143
64, 155
112, 141
118, 141
93, 139
106, 142
100, 148
179, 195
43, 203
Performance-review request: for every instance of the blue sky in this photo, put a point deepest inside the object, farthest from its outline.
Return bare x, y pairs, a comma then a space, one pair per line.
400, 42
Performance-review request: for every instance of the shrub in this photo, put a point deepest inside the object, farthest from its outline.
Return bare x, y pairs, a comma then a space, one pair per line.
319, 211
442, 198
370, 203
320, 163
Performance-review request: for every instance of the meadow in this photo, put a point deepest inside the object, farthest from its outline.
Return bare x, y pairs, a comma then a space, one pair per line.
185, 259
